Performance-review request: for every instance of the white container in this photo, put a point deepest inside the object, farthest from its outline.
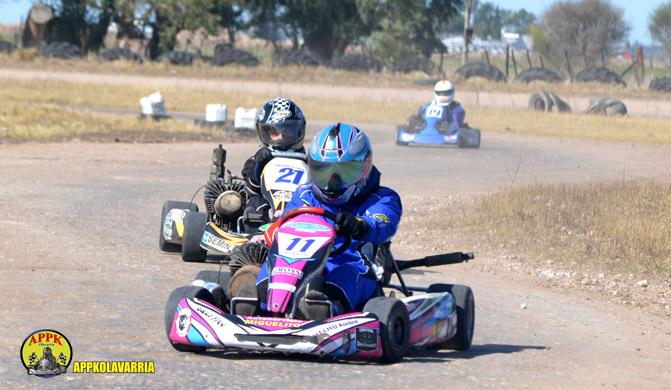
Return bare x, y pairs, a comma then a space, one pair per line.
153, 105
245, 118
216, 113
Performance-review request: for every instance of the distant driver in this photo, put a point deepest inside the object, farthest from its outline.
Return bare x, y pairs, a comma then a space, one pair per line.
448, 111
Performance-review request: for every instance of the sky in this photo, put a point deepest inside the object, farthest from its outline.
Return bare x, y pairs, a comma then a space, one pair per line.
636, 12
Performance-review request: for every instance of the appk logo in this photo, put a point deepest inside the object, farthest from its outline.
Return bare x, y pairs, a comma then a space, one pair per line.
46, 353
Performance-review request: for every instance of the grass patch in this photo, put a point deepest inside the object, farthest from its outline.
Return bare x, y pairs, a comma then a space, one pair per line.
619, 226
621, 129
644, 130
45, 122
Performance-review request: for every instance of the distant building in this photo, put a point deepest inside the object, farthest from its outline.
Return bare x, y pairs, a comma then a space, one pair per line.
455, 43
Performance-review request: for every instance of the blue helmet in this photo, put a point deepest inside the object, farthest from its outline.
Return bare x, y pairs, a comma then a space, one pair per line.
340, 161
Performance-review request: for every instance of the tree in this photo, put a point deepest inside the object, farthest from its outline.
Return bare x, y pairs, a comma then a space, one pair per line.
80, 22
488, 20
660, 26
518, 21
404, 28
587, 30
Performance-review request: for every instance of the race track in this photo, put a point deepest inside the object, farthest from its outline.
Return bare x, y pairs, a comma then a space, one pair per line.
79, 254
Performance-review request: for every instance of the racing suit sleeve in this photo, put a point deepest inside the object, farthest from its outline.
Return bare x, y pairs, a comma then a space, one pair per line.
383, 216
457, 120
301, 197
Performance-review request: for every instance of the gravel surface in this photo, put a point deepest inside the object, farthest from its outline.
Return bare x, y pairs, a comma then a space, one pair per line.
79, 254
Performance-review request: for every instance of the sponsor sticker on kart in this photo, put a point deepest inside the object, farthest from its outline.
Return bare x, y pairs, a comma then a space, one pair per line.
216, 243
287, 271
307, 227
366, 339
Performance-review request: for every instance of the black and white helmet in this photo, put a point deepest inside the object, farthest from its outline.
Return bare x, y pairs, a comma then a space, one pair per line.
281, 124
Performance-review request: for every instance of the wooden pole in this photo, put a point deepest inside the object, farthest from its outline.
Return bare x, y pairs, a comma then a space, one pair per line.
540, 59
528, 58
512, 55
640, 66
507, 59
486, 56
467, 27
568, 65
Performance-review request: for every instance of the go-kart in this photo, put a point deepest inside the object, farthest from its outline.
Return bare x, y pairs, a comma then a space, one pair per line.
224, 227
431, 131
295, 319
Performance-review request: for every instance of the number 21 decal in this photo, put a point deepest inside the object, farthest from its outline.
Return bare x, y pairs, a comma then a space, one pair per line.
287, 176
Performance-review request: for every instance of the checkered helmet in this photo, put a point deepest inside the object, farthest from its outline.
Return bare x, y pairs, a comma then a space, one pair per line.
281, 124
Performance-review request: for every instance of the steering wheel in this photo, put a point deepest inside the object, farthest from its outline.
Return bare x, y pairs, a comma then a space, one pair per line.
270, 232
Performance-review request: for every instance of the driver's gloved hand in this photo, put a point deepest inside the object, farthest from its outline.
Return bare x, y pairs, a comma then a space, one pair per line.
347, 224
261, 158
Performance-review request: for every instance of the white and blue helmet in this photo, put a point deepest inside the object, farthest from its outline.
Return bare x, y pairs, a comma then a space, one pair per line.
340, 161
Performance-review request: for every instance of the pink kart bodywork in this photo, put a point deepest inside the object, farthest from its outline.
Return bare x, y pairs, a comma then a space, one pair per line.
354, 335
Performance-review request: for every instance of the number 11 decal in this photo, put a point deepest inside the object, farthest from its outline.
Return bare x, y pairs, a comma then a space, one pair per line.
295, 241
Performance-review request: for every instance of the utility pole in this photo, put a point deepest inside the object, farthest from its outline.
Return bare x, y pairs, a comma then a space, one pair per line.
467, 31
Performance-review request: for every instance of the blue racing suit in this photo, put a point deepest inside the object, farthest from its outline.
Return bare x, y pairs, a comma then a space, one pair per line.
348, 275
434, 114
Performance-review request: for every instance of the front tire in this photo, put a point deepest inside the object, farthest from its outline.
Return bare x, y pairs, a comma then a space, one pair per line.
171, 308
394, 326
194, 225
168, 205
465, 306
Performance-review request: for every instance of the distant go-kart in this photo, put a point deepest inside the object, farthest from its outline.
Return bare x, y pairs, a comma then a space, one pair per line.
296, 320
431, 131
222, 228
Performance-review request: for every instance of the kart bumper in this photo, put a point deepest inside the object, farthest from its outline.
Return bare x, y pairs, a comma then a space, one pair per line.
465, 138
356, 335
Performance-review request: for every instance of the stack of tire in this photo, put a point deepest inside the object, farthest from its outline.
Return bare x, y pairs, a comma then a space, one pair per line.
225, 55
176, 57
65, 50
539, 74
545, 101
357, 63
606, 106
295, 57
6, 47
599, 75
415, 64
481, 69
119, 54
661, 84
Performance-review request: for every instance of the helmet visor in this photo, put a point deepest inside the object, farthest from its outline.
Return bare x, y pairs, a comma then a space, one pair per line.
444, 93
283, 134
335, 178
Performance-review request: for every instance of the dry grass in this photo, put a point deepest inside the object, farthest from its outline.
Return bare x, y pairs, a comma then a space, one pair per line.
45, 122
643, 130
317, 75
621, 129
620, 227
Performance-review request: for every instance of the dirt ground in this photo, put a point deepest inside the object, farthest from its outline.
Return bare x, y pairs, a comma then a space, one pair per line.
79, 254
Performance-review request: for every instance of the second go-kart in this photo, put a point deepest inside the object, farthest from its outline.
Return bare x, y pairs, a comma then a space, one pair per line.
431, 130
223, 228
296, 319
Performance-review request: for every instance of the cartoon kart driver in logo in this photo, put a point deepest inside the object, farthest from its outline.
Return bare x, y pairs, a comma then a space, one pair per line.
46, 353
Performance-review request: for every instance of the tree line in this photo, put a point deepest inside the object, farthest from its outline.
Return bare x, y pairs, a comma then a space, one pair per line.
586, 32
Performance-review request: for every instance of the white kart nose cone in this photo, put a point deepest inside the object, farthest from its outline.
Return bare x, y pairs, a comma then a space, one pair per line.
228, 203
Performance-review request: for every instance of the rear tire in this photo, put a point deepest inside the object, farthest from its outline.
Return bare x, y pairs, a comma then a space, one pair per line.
194, 225
462, 140
394, 326
465, 306
171, 307
168, 205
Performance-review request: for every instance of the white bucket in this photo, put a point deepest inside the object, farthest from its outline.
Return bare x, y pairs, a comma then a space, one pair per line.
245, 118
153, 104
216, 113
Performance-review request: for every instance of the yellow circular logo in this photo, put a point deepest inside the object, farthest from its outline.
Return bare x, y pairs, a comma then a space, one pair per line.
46, 353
